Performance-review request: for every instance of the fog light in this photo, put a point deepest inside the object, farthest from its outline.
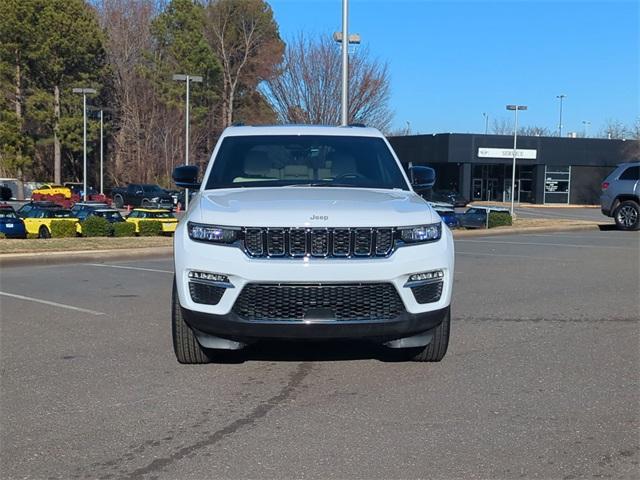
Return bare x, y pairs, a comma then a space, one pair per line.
210, 278
432, 275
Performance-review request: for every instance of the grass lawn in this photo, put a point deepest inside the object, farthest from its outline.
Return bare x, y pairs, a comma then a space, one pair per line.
80, 243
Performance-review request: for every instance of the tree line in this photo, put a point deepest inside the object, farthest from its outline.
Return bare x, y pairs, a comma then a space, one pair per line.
128, 51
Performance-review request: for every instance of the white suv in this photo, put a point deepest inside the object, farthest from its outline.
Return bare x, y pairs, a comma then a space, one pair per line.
305, 232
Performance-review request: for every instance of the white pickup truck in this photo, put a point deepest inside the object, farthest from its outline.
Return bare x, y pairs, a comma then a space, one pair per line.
309, 233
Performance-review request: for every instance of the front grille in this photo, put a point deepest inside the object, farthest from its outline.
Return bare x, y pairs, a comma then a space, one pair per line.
355, 302
428, 293
318, 242
206, 294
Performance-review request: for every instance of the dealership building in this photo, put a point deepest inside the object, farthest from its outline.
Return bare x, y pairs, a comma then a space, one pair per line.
548, 169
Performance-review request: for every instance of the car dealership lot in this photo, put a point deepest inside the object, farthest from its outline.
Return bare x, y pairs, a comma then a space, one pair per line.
541, 379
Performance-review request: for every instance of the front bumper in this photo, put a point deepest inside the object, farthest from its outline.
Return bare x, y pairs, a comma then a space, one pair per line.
221, 320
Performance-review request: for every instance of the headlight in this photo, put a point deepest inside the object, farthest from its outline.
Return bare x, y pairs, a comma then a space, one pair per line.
421, 233
212, 233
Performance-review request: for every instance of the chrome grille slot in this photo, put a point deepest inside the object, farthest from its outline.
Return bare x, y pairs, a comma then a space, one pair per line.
384, 241
341, 242
297, 242
319, 242
253, 242
275, 242
362, 241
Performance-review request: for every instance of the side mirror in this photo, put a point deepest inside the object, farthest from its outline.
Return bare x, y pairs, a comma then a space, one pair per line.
422, 178
186, 176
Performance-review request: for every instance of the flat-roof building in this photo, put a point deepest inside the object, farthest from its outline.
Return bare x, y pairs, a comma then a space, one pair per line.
548, 169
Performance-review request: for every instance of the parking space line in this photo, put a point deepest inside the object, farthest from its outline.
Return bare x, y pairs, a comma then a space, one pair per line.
52, 304
553, 259
124, 267
570, 245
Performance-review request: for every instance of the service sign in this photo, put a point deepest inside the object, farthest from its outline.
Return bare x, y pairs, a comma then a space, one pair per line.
522, 153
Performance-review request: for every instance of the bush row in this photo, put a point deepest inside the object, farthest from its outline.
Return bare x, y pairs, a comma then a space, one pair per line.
499, 219
100, 227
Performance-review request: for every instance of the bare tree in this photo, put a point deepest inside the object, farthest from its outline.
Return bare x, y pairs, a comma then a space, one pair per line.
534, 131
502, 127
308, 88
245, 37
614, 129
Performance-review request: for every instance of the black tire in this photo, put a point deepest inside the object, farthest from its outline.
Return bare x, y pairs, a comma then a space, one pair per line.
185, 343
627, 215
44, 232
118, 201
437, 348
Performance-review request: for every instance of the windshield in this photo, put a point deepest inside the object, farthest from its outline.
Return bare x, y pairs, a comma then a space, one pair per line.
161, 215
7, 214
307, 160
112, 215
152, 189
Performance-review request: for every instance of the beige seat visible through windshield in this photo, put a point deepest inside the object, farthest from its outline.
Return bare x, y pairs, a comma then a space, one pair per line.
257, 167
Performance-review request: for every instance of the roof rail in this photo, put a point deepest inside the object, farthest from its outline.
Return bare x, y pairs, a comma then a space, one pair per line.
237, 124
362, 125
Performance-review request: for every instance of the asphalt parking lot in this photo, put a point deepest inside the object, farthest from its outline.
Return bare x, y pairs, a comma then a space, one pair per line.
541, 379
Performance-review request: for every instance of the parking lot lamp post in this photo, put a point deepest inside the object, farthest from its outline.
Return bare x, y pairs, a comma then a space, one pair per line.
486, 122
84, 92
586, 124
561, 97
515, 108
187, 79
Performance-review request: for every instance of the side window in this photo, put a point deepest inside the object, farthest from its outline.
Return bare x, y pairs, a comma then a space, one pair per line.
631, 173
132, 188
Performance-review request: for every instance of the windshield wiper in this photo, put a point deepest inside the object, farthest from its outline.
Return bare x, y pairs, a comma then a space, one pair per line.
321, 184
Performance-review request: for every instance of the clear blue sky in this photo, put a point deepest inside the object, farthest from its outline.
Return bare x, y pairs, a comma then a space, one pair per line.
452, 60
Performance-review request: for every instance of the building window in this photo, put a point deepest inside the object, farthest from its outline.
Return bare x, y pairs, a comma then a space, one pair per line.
557, 184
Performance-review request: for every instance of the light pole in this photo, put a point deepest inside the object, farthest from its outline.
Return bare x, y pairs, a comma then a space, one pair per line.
515, 108
187, 79
101, 111
486, 122
345, 39
562, 96
84, 92
586, 124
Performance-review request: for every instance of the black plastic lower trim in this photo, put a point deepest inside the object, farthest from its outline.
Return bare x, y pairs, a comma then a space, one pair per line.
233, 327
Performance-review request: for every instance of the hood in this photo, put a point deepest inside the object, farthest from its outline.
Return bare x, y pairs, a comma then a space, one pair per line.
312, 207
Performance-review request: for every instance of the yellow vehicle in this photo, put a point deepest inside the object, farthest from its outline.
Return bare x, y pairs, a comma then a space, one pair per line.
53, 189
165, 217
39, 220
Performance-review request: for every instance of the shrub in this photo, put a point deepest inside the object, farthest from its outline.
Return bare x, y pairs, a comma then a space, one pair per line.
124, 229
2, 235
96, 227
499, 219
149, 228
63, 228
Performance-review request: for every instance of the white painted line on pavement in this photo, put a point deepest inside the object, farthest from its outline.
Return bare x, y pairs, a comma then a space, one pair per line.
53, 304
128, 268
570, 245
553, 259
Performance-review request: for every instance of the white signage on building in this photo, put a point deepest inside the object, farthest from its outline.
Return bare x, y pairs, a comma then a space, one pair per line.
522, 153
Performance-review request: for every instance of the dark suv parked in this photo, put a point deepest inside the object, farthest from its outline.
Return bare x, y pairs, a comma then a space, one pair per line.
620, 196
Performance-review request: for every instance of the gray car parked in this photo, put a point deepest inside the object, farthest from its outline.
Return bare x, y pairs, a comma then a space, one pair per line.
620, 197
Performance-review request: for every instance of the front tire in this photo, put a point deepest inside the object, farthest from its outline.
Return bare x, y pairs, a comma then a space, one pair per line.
44, 232
627, 215
185, 343
437, 348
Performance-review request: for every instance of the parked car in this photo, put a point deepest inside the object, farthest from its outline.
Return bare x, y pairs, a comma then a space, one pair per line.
77, 188
11, 225
620, 196
80, 210
110, 214
142, 195
165, 217
449, 196
28, 208
39, 220
52, 189
447, 213
296, 233
5, 193
477, 216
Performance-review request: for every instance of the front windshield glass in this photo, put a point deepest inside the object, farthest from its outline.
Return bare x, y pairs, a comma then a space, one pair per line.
152, 189
7, 214
112, 215
305, 160
161, 215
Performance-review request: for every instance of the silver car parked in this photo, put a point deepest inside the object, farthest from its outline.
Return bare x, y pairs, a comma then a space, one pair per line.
620, 196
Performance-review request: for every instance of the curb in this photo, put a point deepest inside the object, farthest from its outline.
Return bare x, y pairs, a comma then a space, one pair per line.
79, 256
523, 230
